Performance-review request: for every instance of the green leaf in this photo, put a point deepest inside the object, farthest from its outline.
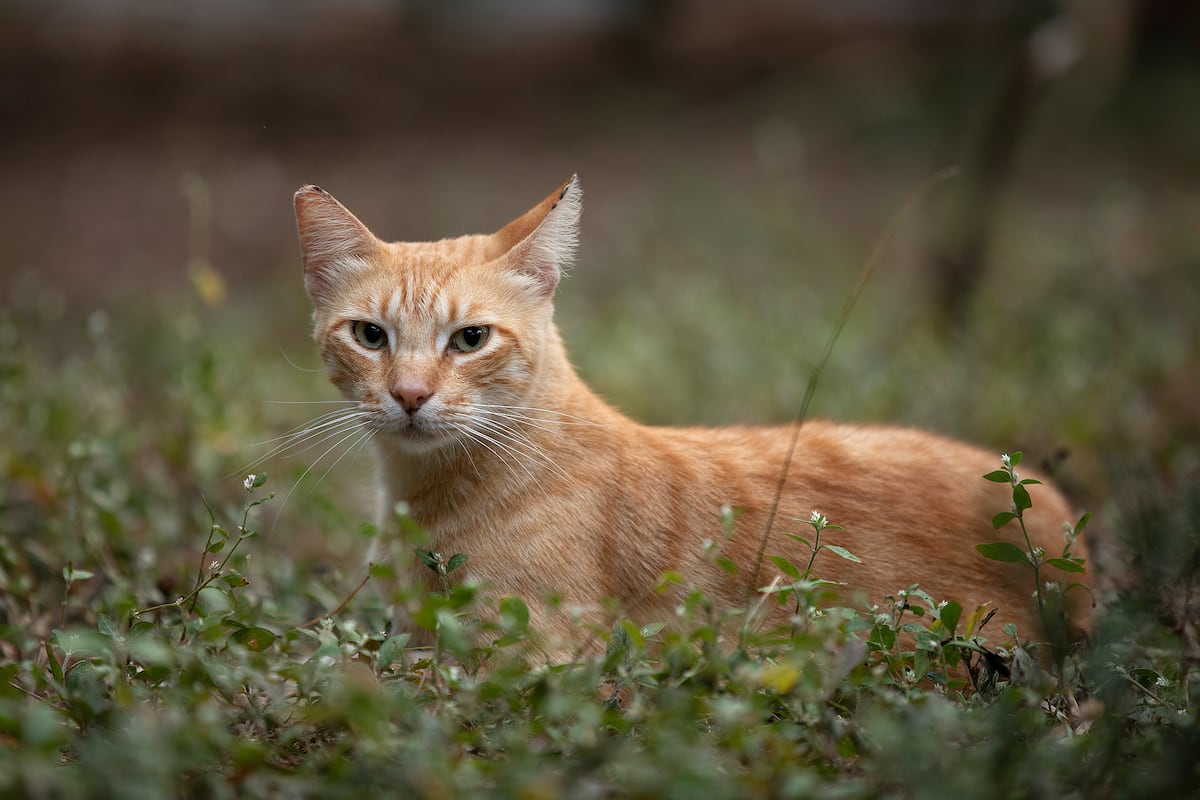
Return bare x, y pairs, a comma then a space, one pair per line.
800, 539
257, 480
974, 619
619, 642
1030, 482
427, 558
456, 561
107, 627
1021, 497
381, 571
652, 629
843, 552
1002, 519
235, 579
949, 615
216, 546
70, 574
55, 664
151, 651
785, 566
1002, 551
1065, 564
8, 673
514, 615
997, 476
215, 601
254, 639
924, 640
1015, 458
1083, 522
139, 628
392, 651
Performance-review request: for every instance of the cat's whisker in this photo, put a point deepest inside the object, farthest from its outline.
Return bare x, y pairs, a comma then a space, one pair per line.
355, 431
568, 419
522, 419
309, 402
483, 440
522, 443
312, 425
514, 456
470, 459
312, 436
364, 437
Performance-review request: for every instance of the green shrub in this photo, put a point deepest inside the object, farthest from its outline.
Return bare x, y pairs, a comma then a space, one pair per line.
154, 645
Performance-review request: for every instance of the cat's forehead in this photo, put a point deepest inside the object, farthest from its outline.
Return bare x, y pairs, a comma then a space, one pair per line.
443, 254
441, 281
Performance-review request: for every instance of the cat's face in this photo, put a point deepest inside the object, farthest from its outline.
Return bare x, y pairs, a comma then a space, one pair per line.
437, 341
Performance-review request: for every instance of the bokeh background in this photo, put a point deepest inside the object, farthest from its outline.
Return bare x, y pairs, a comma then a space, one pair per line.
741, 162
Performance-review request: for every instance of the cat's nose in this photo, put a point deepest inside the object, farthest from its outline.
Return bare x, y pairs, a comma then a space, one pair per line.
411, 396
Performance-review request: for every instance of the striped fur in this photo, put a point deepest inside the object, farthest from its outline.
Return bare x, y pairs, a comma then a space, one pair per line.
512, 460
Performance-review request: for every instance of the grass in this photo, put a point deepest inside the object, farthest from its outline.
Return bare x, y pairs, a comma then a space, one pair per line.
126, 431
123, 435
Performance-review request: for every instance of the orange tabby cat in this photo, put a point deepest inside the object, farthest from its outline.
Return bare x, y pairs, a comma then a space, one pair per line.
501, 452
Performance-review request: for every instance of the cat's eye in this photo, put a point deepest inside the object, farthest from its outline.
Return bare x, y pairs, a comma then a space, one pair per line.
470, 338
369, 335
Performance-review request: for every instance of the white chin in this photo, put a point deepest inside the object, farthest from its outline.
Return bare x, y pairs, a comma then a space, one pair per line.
416, 440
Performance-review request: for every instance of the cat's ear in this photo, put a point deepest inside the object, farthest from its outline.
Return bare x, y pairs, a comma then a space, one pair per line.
332, 241
540, 244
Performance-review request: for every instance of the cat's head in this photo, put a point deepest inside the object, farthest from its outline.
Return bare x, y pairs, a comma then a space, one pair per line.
433, 339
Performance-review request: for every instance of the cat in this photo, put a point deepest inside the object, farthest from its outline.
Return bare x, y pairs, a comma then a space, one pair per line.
499, 451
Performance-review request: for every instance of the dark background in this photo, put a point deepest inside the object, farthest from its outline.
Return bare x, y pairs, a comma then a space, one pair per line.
741, 162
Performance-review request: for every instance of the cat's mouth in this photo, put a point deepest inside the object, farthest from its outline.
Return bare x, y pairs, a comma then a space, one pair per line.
413, 432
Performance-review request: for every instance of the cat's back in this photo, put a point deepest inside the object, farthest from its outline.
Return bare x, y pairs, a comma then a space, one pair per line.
911, 503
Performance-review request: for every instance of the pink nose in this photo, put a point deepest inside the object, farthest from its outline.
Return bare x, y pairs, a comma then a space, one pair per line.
411, 396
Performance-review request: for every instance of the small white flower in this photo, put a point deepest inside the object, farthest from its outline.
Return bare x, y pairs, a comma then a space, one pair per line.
248, 482
816, 516
1006, 460
212, 565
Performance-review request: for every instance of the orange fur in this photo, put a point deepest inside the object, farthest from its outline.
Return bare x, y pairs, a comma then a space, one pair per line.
509, 458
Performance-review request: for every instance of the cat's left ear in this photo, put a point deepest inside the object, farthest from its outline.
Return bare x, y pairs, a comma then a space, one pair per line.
540, 244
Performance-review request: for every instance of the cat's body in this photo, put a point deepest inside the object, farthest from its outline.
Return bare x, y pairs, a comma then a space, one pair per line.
500, 452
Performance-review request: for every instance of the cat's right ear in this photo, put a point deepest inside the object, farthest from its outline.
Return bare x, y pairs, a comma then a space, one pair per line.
332, 240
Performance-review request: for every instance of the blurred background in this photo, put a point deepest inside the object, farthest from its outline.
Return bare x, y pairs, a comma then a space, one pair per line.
741, 162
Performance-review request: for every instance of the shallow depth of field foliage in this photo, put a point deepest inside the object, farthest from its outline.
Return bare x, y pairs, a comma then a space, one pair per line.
172, 615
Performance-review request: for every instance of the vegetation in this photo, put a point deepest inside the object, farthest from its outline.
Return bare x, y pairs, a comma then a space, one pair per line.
170, 628
154, 644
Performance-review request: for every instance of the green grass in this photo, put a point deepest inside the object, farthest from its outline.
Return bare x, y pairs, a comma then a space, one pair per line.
122, 432
126, 430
